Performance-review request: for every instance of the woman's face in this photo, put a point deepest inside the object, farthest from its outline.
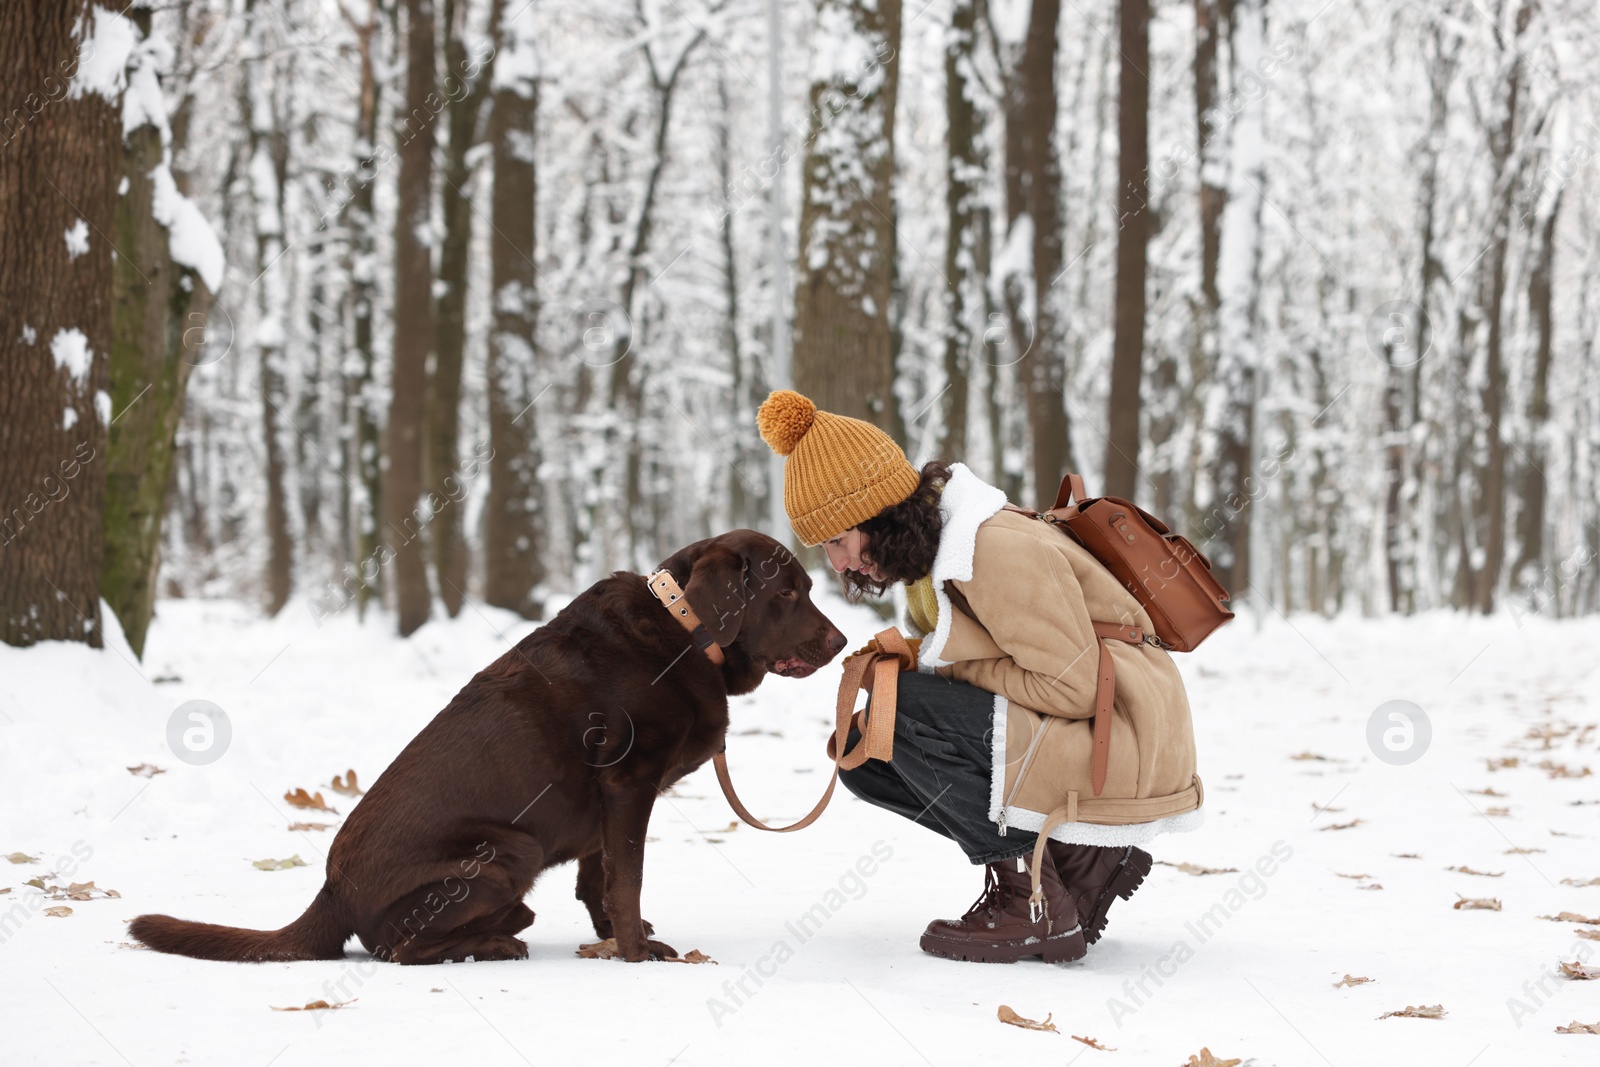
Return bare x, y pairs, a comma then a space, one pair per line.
848, 552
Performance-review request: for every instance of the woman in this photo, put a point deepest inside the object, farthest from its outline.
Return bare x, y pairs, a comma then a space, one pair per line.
993, 733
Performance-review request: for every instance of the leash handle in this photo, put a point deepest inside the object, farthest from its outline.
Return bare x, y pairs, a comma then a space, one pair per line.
875, 668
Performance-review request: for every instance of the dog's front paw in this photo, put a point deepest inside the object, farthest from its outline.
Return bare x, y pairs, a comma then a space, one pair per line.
660, 950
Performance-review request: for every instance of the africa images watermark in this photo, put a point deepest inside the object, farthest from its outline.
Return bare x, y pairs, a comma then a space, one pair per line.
52, 490
29, 904
1250, 886
851, 885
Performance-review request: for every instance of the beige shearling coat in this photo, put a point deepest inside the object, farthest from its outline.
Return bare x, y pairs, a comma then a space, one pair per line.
1034, 592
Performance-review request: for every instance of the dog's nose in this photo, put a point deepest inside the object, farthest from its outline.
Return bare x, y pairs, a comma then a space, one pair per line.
836, 643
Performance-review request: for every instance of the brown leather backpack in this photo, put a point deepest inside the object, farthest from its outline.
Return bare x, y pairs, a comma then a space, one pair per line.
1167, 575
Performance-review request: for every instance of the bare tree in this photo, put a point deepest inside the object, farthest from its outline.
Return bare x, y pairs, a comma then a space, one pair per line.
1133, 234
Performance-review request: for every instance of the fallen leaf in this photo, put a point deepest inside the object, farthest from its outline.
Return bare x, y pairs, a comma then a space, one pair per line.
1431, 1011
1092, 1043
1343, 825
346, 786
22, 857
1503, 763
1579, 1028
1497, 811
321, 1005
60, 911
733, 824
1011, 1018
146, 770
1476, 903
309, 825
1406, 855
1206, 1059
1325, 807
437, 989
1561, 833
607, 950
1357, 877
1197, 869
1579, 971
1580, 883
79, 891
1350, 980
37, 883
1308, 756
279, 865
1561, 770
4, 891
1571, 917
1481, 874
1488, 792
301, 799
1529, 852
1371, 885
1588, 935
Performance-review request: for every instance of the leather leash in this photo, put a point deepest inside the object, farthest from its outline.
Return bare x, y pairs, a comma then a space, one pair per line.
875, 668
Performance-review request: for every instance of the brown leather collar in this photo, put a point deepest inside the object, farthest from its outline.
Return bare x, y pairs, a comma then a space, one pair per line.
665, 588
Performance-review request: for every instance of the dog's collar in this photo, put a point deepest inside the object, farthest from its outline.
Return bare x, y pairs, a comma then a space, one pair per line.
665, 589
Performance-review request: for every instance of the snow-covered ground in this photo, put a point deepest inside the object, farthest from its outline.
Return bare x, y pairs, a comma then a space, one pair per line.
1244, 963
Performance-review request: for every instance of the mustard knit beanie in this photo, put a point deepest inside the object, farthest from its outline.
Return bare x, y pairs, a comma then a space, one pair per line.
839, 471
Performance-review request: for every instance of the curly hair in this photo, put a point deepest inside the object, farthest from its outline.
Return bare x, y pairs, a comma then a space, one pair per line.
902, 538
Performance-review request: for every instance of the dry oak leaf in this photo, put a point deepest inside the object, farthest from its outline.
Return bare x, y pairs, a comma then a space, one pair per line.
1488, 791
1357, 877
1529, 852
1482, 874
1561, 770
1343, 825
1206, 1059
22, 857
1350, 980
1497, 811
1579, 971
309, 825
4, 891
1325, 807
346, 786
320, 1005
1571, 917
146, 770
1308, 756
1197, 869
279, 865
1588, 935
1406, 855
1575, 1027
301, 799
1092, 1043
1011, 1018
1503, 762
60, 911
1580, 883
1476, 903
1371, 885
1431, 1011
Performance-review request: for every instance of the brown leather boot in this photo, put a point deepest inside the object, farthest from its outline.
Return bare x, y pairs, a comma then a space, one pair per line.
1003, 927
1096, 876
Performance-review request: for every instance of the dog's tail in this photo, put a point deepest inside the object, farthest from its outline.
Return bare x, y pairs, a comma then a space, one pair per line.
319, 934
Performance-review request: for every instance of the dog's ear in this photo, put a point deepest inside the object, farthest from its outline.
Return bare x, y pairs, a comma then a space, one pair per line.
719, 592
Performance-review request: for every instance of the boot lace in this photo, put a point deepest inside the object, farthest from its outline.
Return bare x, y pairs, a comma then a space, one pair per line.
995, 897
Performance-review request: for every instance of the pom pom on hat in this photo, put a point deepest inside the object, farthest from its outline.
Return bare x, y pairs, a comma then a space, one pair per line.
784, 418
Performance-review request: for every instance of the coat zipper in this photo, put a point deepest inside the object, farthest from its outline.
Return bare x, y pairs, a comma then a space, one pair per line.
1022, 772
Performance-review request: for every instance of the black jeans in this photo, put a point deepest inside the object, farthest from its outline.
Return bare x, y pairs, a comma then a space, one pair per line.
939, 776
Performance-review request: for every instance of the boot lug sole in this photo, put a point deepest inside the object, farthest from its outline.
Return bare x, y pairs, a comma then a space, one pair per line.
1062, 948
1129, 877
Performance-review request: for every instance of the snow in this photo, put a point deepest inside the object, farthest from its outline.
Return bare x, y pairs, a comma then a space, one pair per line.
1244, 963
108, 40
29, 335
69, 418
102, 406
190, 238
70, 347
78, 239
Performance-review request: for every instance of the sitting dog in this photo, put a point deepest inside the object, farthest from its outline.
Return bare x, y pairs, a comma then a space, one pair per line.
554, 752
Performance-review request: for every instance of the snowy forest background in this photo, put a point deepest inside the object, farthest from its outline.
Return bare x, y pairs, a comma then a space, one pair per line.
492, 288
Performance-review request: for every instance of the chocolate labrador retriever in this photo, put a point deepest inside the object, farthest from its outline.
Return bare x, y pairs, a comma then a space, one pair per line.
554, 752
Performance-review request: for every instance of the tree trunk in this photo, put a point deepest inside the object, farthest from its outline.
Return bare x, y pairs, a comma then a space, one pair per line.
843, 358
465, 88
1127, 360
413, 322
1239, 289
514, 528
1044, 369
964, 174
1528, 571
58, 175
159, 321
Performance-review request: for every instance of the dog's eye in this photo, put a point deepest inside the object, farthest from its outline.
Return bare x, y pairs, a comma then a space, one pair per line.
789, 594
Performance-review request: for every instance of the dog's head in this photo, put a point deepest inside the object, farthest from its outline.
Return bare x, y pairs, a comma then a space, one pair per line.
755, 598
